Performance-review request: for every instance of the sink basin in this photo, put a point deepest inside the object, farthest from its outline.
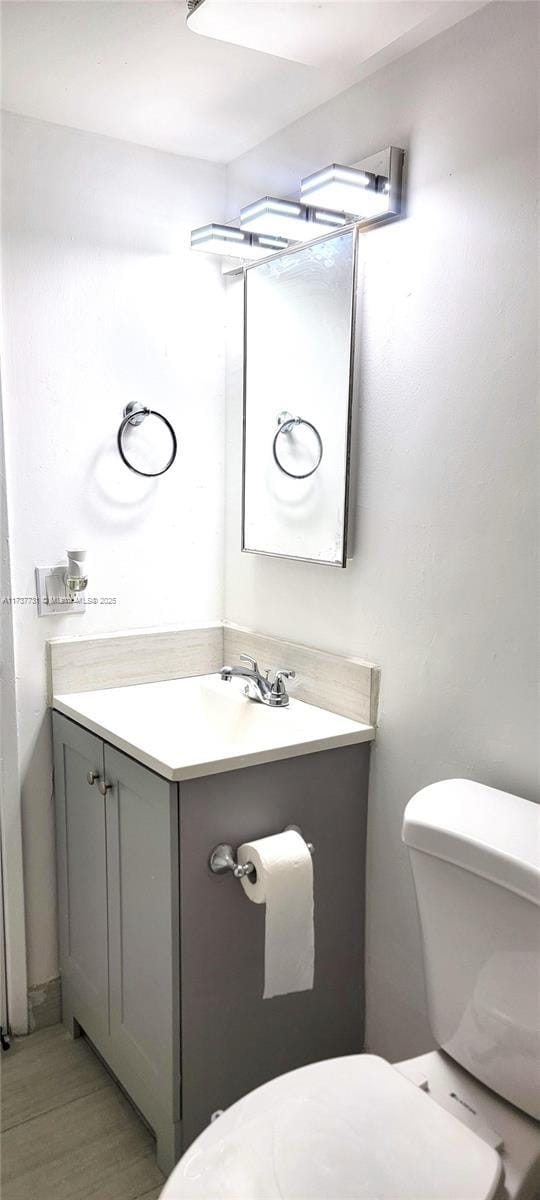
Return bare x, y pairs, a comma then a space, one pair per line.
184, 728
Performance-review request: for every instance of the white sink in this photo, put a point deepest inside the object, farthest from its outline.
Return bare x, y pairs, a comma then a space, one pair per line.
200, 726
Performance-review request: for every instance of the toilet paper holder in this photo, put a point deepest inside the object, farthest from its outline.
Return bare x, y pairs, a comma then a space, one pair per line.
222, 858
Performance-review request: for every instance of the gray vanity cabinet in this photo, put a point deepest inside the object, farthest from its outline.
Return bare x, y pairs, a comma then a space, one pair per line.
232, 1040
163, 962
118, 899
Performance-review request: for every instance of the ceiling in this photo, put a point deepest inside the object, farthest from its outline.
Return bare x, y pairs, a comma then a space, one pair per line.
132, 69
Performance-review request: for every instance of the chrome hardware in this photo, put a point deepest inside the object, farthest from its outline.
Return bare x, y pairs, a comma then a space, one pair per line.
91, 777
296, 829
253, 664
134, 414
260, 687
279, 695
222, 860
105, 787
286, 423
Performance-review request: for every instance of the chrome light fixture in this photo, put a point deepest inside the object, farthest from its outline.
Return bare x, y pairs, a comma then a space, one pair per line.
289, 219
236, 243
369, 193
343, 188
265, 243
369, 190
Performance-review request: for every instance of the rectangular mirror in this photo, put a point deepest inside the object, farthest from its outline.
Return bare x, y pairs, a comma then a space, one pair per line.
299, 317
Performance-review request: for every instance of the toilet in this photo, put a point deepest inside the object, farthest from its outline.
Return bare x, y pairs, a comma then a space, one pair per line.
458, 1123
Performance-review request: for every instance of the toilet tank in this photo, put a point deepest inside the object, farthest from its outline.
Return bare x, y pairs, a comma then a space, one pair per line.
475, 856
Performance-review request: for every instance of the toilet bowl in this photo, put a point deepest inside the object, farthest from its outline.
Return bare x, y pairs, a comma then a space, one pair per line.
459, 1123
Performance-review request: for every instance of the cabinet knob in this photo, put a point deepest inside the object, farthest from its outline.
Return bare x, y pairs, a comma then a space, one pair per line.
91, 777
104, 787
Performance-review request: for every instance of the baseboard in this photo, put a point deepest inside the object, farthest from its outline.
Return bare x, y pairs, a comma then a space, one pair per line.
44, 1005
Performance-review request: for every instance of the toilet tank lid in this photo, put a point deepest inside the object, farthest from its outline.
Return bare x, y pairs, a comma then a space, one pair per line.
485, 831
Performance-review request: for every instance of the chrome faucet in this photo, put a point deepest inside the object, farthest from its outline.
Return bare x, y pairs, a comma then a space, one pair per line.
260, 687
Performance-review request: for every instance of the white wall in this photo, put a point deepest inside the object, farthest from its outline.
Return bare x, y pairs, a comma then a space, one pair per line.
442, 587
103, 304
12, 913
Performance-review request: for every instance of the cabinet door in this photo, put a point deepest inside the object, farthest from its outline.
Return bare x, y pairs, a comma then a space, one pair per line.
142, 839
82, 876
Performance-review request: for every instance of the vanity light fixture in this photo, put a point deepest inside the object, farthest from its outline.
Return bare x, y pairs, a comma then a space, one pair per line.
326, 218
289, 218
368, 193
270, 215
347, 189
236, 243
266, 243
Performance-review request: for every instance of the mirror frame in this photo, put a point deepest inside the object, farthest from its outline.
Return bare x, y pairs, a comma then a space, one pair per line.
354, 229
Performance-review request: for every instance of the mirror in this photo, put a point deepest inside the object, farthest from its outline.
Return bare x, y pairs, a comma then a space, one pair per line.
299, 313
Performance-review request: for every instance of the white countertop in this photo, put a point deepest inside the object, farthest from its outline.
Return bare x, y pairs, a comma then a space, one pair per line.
185, 728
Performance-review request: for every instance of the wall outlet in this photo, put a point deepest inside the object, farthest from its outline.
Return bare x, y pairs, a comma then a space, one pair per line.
53, 598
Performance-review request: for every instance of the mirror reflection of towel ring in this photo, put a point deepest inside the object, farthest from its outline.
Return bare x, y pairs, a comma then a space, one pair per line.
135, 414
286, 422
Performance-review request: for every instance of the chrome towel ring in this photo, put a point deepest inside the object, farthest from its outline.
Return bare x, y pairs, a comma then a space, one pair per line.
134, 414
286, 423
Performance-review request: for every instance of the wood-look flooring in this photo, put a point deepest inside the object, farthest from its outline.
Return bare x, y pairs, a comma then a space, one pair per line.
68, 1132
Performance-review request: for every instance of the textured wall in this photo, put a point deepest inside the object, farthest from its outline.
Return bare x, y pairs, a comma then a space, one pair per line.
103, 304
442, 588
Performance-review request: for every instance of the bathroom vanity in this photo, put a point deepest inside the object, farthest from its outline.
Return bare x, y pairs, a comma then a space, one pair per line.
162, 961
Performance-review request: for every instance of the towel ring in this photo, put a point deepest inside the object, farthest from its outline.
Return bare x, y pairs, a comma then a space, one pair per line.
135, 414
286, 422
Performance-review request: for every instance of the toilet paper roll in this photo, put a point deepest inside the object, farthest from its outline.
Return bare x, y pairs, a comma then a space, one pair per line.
284, 884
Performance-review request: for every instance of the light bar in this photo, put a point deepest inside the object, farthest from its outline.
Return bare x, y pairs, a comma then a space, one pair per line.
346, 189
288, 218
235, 243
274, 216
326, 217
265, 243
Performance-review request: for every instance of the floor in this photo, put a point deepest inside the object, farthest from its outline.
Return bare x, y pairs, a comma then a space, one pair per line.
68, 1133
